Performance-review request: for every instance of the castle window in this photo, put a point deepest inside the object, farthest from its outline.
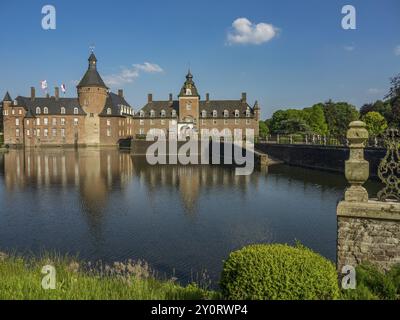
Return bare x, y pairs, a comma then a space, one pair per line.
188, 92
76, 121
37, 110
17, 122
63, 121
45, 132
62, 110
54, 132
27, 122
237, 113
76, 111
248, 113
45, 121
226, 113
38, 132
17, 132
163, 113
28, 132
20, 111
38, 121
6, 112
108, 110
204, 113
152, 113
173, 113
12, 111
141, 114
63, 132
54, 121
46, 110
142, 122
215, 113
108, 132
108, 123
141, 131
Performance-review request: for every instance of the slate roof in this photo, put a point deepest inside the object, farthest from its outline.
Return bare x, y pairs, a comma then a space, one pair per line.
92, 78
115, 103
189, 84
54, 106
208, 106
7, 97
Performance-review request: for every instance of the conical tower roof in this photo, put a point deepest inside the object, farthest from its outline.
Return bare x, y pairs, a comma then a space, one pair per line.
92, 78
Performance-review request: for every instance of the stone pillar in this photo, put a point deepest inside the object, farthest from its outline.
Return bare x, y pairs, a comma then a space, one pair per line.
357, 168
368, 230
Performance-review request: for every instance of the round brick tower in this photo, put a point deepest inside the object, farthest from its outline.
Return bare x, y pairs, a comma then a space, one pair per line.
92, 95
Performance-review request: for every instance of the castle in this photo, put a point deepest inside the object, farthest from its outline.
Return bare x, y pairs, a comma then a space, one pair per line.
99, 117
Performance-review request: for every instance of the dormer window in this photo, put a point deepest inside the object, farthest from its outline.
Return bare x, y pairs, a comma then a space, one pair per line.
163, 113
38, 110
76, 111
152, 114
173, 113
226, 113
141, 114
188, 92
204, 113
215, 113
108, 110
62, 110
248, 113
46, 110
236, 113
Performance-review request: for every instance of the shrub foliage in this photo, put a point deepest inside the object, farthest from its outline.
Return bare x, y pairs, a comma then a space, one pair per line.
278, 272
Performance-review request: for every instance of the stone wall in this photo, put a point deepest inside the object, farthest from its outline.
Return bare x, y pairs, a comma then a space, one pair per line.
368, 232
319, 157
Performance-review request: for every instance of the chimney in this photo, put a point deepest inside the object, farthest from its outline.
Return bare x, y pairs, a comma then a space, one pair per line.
33, 93
150, 98
244, 97
207, 97
121, 93
171, 98
47, 95
57, 93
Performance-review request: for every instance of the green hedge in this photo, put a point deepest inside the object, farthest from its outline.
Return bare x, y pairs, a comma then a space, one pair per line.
372, 284
278, 272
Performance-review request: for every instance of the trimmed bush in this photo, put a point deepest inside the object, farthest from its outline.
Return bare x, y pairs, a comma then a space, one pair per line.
278, 272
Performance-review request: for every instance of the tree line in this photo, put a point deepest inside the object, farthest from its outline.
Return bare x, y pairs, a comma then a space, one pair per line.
332, 118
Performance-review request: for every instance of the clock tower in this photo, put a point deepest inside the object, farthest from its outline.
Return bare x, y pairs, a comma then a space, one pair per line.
189, 101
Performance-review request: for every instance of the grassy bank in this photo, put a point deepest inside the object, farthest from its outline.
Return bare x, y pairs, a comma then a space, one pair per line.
21, 278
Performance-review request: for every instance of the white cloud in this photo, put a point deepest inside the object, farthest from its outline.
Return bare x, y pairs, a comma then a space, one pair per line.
128, 75
245, 32
349, 48
148, 67
397, 50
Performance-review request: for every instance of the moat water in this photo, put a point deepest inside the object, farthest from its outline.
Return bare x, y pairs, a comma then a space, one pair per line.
104, 204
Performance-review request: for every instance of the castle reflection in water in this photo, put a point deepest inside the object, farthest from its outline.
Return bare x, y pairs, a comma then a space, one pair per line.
96, 172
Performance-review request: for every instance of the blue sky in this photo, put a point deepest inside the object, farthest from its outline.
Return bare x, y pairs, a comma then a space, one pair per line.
297, 56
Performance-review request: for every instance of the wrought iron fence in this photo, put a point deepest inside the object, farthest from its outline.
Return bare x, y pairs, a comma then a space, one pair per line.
389, 168
321, 140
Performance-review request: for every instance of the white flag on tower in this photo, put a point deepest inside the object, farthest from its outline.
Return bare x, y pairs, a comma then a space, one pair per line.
43, 84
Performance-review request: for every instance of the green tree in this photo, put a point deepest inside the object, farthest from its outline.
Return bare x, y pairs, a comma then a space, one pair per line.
394, 90
264, 131
376, 123
338, 117
315, 119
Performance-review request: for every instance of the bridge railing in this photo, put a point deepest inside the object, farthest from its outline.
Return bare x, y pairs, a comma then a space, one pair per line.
318, 140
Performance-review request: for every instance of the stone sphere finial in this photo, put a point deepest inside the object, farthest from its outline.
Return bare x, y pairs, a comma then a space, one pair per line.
357, 168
